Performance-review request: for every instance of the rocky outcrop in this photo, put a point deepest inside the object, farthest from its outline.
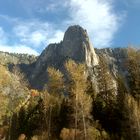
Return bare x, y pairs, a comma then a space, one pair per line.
75, 45
115, 58
24, 61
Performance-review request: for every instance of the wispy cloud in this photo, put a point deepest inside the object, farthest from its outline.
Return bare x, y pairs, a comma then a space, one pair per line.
57, 37
98, 17
14, 48
37, 33
29, 36
18, 49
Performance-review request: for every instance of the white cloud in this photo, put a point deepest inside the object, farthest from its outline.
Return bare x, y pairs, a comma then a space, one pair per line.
30, 36
98, 18
57, 37
33, 34
18, 49
29, 33
37, 34
37, 38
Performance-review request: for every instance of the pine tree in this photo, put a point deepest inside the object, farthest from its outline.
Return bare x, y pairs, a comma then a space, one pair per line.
55, 83
104, 106
79, 101
128, 112
133, 66
106, 82
52, 97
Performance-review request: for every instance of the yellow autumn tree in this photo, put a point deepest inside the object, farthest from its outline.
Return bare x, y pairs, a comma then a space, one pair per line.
4, 81
133, 66
52, 98
79, 100
55, 82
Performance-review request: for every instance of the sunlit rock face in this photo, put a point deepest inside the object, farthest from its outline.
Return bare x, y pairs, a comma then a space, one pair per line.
75, 46
115, 58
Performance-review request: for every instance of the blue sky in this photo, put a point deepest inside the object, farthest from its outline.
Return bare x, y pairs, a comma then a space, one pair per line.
28, 26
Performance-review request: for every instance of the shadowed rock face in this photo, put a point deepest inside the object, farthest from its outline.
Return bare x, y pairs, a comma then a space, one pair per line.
75, 45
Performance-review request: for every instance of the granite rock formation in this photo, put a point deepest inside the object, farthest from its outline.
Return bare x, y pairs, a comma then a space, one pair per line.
75, 46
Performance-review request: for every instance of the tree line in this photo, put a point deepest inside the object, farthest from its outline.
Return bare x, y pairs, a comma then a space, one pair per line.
70, 108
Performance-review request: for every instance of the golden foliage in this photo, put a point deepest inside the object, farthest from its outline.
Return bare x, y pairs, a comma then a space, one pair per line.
4, 76
69, 134
56, 83
132, 122
34, 92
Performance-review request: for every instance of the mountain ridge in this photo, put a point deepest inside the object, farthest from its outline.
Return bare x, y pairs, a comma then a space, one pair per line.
75, 45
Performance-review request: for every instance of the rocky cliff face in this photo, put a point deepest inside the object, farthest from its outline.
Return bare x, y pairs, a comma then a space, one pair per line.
24, 61
75, 45
115, 58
